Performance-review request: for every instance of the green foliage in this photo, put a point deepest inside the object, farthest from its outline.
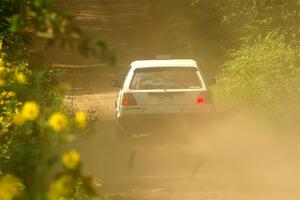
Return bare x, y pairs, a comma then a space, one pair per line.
33, 126
39, 21
262, 71
263, 76
34, 123
208, 29
247, 20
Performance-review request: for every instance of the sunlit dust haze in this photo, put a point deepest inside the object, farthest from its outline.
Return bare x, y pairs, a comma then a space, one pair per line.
228, 156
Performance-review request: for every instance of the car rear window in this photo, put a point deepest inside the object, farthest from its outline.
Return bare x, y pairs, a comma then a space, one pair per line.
165, 78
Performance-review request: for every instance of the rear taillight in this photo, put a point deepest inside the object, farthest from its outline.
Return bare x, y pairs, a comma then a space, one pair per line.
204, 98
200, 100
128, 100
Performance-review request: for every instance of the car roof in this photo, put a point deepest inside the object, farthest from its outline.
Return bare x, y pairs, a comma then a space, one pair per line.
164, 63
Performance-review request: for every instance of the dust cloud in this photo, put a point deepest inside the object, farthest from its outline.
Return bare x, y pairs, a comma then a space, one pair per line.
231, 156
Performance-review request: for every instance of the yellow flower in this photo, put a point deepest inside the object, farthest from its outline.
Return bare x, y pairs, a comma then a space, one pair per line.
21, 78
10, 187
1, 65
1, 44
71, 159
30, 111
61, 188
2, 68
81, 119
2, 82
57, 122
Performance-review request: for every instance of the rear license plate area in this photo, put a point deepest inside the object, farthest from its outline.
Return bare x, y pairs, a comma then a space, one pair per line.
165, 97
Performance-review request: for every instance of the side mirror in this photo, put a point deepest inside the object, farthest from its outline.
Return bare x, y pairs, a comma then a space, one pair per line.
211, 81
116, 83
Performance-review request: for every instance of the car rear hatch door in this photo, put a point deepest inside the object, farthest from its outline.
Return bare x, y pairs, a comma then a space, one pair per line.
166, 85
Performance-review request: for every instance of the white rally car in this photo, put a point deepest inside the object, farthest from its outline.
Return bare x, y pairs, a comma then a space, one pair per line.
155, 90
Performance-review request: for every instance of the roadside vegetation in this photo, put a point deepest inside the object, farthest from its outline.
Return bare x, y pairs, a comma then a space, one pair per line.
34, 122
262, 72
255, 44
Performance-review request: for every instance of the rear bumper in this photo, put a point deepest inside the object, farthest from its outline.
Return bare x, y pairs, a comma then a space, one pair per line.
160, 110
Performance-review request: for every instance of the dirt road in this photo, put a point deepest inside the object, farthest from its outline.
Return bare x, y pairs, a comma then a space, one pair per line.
221, 161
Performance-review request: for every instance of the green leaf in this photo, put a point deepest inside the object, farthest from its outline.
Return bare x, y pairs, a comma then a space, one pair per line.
15, 23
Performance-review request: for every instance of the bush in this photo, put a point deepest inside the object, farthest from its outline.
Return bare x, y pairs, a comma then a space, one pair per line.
34, 123
262, 76
33, 129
